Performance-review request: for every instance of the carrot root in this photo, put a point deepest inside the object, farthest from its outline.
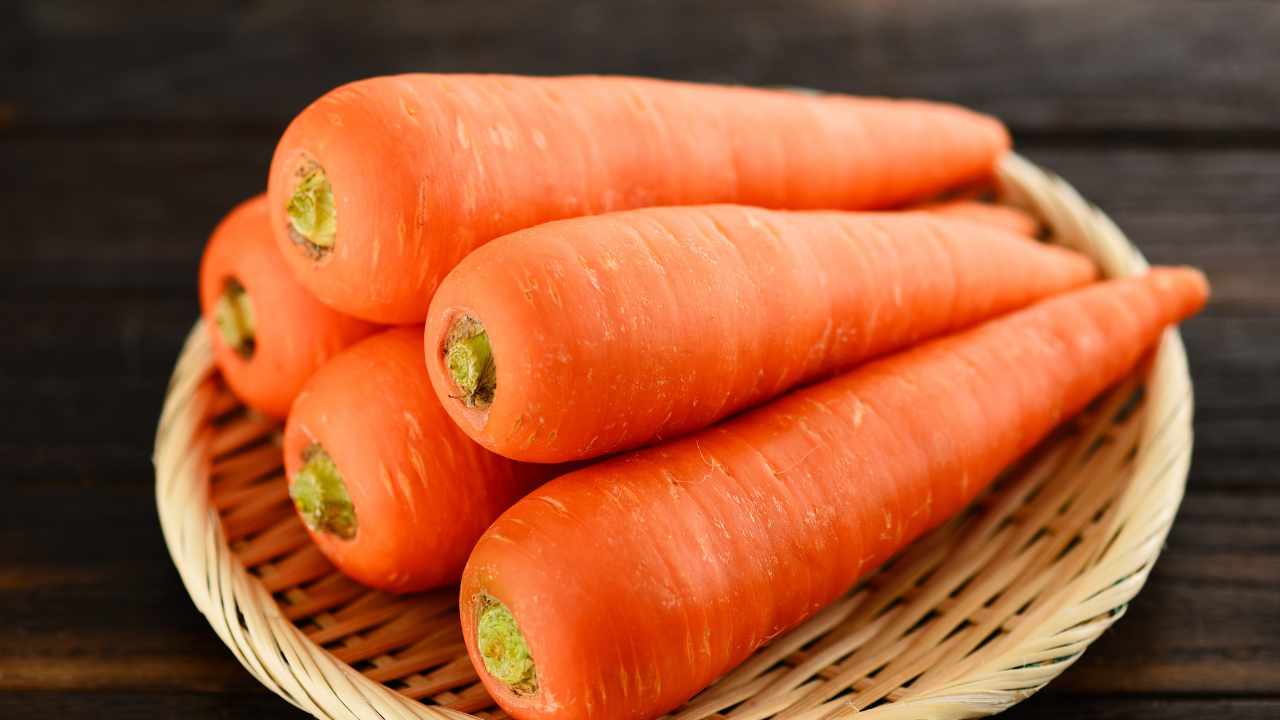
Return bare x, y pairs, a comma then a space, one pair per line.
503, 648
268, 333
470, 360
321, 497
313, 217
234, 317
638, 581
428, 167
607, 331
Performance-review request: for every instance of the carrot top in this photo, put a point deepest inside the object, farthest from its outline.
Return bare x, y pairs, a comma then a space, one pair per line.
313, 218
503, 647
234, 316
320, 495
470, 361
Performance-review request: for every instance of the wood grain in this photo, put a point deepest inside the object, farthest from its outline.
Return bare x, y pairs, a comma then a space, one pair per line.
1144, 65
127, 130
1207, 622
92, 214
88, 375
250, 705
140, 217
109, 293
88, 361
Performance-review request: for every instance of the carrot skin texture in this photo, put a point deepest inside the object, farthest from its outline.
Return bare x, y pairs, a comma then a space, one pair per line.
425, 168
1000, 217
422, 491
294, 333
613, 330
638, 581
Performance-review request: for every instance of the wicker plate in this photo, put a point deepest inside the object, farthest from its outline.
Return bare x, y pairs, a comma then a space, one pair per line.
968, 621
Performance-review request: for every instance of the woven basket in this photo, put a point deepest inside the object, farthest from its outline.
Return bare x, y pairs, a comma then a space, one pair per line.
971, 619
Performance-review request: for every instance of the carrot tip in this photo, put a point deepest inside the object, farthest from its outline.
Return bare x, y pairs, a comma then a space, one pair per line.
503, 648
470, 359
234, 317
313, 218
320, 495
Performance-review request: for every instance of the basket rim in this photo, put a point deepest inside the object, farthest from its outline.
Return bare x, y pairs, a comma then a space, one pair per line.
244, 614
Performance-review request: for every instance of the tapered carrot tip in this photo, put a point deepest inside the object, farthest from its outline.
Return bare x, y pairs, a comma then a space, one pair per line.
321, 496
234, 316
313, 218
1186, 286
503, 648
470, 360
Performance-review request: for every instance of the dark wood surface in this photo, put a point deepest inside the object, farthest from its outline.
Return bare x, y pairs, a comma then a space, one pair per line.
126, 133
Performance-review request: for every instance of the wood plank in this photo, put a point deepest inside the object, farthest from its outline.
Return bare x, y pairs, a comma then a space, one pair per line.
145, 227
1052, 705
246, 704
1181, 65
1208, 620
1214, 209
106, 290
84, 381
125, 135
265, 706
1235, 368
114, 214
86, 375
92, 602
91, 598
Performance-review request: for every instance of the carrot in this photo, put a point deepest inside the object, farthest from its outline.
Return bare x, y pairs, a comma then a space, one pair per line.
381, 186
581, 337
620, 590
1002, 217
390, 490
268, 333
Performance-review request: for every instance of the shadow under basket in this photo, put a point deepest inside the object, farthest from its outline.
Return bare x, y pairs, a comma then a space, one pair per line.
968, 621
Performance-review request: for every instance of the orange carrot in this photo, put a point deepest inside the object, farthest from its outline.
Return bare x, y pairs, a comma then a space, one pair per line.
391, 491
581, 337
996, 216
620, 590
268, 333
381, 186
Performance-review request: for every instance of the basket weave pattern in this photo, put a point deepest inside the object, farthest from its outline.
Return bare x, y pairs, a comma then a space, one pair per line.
969, 620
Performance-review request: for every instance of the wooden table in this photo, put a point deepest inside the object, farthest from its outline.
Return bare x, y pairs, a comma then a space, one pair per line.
124, 137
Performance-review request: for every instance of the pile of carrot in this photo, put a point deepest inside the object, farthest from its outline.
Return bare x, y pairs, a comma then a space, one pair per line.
269, 333
467, 294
